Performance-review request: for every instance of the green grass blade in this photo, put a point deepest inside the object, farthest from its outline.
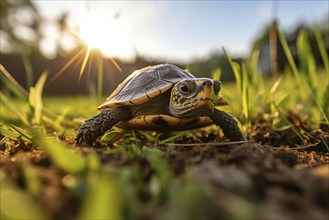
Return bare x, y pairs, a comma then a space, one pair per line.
217, 74
35, 98
245, 96
11, 85
292, 126
163, 175
322, 49
275, 86
307, 61
17, 204
291, 61
180, 203
104, 198
28, 71
113, 135
21, 132
308, 67
10, 111
256, 78
325, 101
92, 160
325, 59
236, 70
172, 138
61, 155
33, 184
326, 144
6, 132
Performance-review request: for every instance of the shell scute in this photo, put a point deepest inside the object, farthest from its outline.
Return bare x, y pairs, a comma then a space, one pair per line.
145, 84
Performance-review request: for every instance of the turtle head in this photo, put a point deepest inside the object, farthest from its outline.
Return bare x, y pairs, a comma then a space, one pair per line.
195, 97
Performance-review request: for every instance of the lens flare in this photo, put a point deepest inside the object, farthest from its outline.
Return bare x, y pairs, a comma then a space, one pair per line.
109, 34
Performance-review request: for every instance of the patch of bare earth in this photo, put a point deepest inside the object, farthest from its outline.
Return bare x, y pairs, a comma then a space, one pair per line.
270, 175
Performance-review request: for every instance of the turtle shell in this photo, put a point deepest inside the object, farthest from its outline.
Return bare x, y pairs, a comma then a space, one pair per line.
145, 84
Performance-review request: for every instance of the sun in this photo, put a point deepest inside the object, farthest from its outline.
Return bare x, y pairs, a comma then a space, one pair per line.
103, 31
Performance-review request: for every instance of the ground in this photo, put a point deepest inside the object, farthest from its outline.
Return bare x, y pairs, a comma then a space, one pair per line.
268, 177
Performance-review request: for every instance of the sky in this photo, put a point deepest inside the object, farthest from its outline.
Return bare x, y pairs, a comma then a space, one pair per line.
177, 30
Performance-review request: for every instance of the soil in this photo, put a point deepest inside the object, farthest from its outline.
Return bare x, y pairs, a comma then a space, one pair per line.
272, 173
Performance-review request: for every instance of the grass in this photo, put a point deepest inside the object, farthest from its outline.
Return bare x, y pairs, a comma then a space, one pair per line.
105, 190
298, 90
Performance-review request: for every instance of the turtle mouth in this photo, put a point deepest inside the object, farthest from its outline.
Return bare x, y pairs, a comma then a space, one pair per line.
200, 101
197, 102
195, 108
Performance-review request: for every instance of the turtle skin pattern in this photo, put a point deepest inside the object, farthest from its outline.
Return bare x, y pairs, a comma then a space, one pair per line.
227, 123
96, 126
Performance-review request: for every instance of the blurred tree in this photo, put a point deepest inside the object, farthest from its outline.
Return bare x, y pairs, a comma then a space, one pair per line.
205, 68
263, 41
20, 27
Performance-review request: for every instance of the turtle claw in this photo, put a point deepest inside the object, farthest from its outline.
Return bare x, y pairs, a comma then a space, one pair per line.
228, 125
83, 135
96, 126
91, 129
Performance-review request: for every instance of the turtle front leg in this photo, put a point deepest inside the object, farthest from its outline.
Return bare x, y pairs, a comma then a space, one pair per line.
227, 124
96, 126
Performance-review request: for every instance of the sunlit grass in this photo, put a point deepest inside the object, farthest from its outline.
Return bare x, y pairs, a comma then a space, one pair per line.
298, 90
17, 199
113, 192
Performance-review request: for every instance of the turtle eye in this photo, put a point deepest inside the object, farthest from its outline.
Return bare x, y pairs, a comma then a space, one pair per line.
184, 89
217, 86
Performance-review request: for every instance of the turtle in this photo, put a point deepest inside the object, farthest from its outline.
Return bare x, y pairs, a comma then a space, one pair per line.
161, 97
